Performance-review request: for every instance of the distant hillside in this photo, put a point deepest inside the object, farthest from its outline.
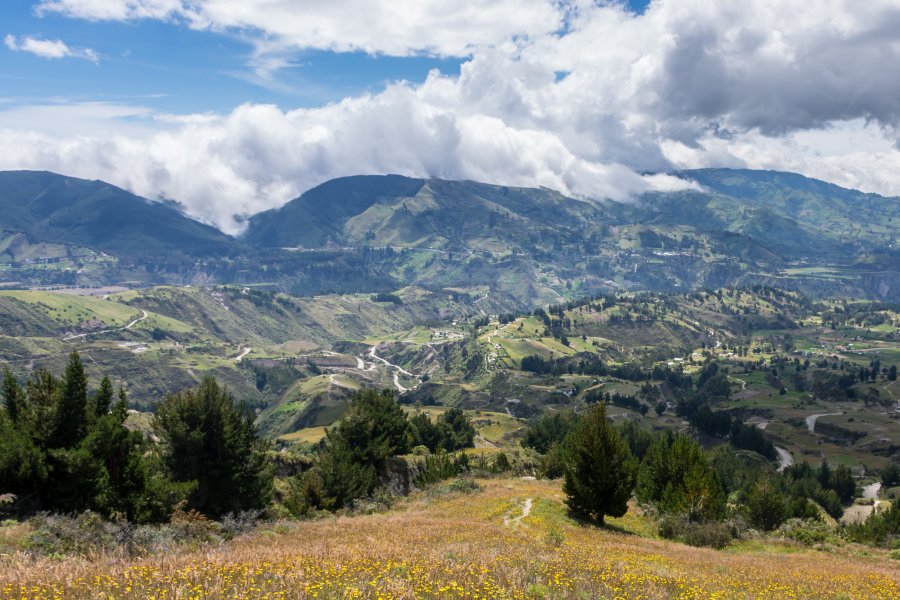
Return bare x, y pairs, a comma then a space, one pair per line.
64, 210
745, 227
528, 246
796, 214
434, 213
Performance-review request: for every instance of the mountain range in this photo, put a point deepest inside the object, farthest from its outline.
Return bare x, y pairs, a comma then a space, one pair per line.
534, 246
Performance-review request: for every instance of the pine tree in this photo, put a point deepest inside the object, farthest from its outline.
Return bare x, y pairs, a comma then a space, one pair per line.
766, 505
374, 429
70, 416
12, 395
677, 477
103, 398
213, 443
600, 471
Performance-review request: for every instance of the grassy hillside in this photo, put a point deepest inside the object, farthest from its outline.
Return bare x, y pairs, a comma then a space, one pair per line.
511, 539
159, 340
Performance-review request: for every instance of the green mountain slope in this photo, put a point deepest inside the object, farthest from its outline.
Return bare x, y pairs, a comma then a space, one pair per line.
65, 210
528, 246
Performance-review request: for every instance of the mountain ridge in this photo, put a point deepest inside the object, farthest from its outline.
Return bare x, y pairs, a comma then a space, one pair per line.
368, 232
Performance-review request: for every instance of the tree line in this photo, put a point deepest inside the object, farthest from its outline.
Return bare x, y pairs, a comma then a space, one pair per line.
63, 449
697, 496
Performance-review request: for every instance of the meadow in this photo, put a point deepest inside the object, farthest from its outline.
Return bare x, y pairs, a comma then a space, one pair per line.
511, 539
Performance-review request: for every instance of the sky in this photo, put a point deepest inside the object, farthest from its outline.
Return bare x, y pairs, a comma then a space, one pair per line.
231, 107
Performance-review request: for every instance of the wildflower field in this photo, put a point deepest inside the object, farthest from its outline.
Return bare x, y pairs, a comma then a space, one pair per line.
513, 539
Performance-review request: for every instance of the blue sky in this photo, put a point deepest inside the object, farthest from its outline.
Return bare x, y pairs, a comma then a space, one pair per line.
174, 68
233, 107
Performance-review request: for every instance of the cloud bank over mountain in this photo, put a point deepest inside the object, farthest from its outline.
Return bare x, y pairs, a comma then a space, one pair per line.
576, 96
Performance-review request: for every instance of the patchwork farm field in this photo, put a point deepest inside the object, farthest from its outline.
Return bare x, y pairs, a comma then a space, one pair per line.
510, 539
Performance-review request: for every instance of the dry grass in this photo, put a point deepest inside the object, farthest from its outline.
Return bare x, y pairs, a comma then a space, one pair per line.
459, 547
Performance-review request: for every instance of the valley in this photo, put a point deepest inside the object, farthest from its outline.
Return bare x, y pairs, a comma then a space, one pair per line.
693, 318
298, 361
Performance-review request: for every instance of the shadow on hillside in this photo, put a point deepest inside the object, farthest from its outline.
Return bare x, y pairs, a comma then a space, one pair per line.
583, 521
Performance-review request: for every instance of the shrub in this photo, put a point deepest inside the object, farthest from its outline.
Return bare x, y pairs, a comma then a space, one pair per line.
438, 467
457, 486
809, 533
713, 534
85, 535
708, 535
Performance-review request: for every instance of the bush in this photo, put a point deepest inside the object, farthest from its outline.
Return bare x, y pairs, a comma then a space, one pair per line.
501, 463
553, 464
712, 534
89, 535
809, 533
85, 535
457, 486
890, 475
438, 467
707, 535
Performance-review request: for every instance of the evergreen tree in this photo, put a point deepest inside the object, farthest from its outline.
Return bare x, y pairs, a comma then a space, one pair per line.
456, 430
103, 398
122, 488
424, 431
23, 465
841, 481
599, 472
549, 429
677, 477
374, 429
890, 475
70, 415
767, 506
42, 393
12, 395
213, 443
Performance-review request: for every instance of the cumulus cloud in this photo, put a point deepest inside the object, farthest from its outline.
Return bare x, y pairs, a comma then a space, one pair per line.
582, 108
258, 156
398, 28
48, 48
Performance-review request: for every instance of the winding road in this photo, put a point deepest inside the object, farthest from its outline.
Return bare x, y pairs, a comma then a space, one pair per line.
397, 371
143, 316
811, 420
785, 459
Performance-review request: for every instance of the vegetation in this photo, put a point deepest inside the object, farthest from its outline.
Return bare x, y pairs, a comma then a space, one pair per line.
377, 234
63, 450
211, 444
599, 468
751, 416
462, 544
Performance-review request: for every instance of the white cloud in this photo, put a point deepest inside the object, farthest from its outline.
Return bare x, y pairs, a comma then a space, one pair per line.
852, 154
259, 156
49, 49
398, 28
811, 87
